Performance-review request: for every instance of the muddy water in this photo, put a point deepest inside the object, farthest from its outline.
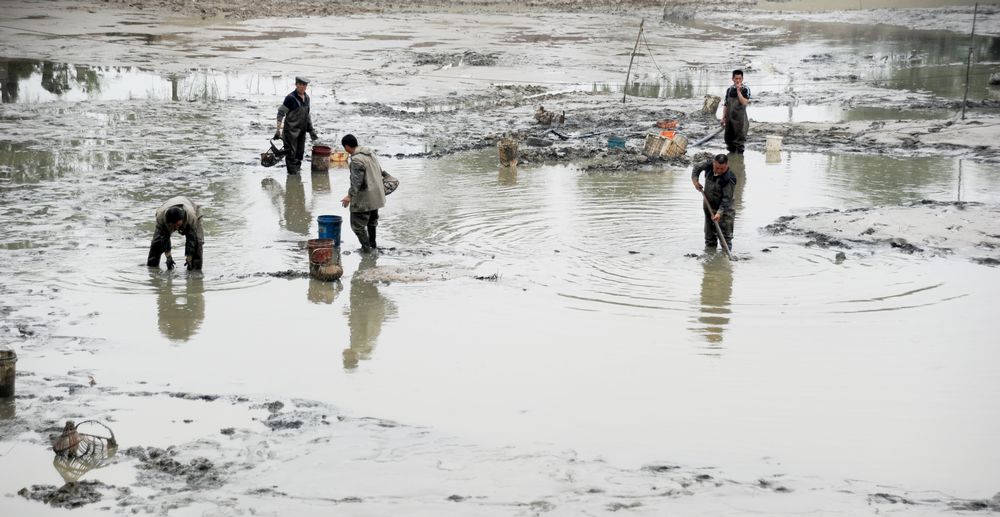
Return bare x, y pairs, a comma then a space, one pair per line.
599, 327
600, 336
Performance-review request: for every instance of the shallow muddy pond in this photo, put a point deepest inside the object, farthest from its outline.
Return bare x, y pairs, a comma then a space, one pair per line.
542, 308
598, 326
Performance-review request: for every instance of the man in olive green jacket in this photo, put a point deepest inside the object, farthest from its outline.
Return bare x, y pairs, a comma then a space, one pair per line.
366, 194
178, 214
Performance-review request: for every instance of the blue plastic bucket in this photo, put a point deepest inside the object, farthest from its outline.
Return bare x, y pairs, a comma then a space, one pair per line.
329, 228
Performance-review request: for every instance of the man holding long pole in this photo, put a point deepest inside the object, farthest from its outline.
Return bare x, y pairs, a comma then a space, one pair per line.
717, 194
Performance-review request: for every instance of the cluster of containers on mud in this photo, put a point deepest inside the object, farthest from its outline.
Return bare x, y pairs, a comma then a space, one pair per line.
324, 252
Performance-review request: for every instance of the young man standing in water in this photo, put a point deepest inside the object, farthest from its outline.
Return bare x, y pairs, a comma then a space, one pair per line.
720, 184
366, 193
734, 114
178, 214
294, 112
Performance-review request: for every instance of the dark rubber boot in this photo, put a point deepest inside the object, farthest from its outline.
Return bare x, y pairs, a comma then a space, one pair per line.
371, 237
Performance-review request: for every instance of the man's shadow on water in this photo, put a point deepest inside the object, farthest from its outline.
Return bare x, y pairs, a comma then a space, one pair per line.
290, 202
739, 168
180, 303
716, 292
368, 310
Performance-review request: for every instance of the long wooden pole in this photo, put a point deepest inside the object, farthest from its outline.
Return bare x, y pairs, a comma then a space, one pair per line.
968, 64
634, 49
718, 230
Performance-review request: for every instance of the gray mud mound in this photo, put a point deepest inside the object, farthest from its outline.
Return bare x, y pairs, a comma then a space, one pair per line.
467, 58
70, 495
931, 228
160, 465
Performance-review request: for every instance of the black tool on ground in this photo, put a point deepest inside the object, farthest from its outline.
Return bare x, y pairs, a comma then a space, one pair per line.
707, 138
718, 230
272, 156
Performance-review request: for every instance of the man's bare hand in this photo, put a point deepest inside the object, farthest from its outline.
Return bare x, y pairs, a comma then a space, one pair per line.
346, 201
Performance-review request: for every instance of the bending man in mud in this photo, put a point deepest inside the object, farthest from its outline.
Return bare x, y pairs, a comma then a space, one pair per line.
366, 193
734, 114
178, 214
294, 122
720, 184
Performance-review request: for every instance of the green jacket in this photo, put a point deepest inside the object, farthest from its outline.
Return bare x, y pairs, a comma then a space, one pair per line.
366, 191
192, 228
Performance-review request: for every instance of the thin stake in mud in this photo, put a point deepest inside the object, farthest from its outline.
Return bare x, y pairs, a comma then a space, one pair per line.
634, 49
968, 63
718, 230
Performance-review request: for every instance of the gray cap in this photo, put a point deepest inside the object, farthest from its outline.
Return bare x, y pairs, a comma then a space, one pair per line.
300, 79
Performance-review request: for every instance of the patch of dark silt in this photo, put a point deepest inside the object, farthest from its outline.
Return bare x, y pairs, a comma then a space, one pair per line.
282, 422
978, 505
467, 58
288, 274
660, 468
157, 465
70, 495
884, 498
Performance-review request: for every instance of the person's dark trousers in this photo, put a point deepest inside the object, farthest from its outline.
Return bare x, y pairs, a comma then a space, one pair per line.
156, 248
296, 150
363, 225
726, 224
735, 140
193, 249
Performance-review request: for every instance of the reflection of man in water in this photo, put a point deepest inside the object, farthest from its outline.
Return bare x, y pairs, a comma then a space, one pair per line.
720, 186
297, 218
716, 290
368, 310
180, 313
291, 202
178, 214
738, 166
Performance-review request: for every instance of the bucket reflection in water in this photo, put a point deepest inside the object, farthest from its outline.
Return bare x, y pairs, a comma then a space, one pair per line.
180, 304
323, 292
320, 183
772, 157
8, 409
368, 310
507, 176
716, 292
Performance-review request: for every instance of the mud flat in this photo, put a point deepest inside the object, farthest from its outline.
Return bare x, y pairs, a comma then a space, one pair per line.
261, 456
929, 228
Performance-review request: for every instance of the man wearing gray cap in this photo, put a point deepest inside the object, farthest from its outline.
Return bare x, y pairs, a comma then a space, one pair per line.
294, 112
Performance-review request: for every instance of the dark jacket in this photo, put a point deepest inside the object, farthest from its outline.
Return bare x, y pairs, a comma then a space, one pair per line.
718, 189
296, 115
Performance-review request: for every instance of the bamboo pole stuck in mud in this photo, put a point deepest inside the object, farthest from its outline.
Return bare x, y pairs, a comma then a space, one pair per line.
634, 49
968, 63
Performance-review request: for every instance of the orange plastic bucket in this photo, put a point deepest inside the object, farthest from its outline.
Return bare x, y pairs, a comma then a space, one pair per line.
668, 134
